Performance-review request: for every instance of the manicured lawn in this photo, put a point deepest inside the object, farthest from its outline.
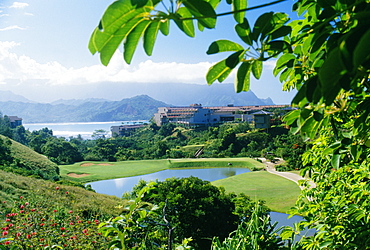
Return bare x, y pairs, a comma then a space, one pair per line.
93, 171
279, 193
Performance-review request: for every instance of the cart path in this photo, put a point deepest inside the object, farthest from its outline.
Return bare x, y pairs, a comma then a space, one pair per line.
270, 167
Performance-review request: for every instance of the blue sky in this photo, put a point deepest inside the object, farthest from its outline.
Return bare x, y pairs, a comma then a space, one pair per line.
44, 43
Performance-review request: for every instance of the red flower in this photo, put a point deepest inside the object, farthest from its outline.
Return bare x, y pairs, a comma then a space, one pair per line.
57, 188
21, 197
62, 228
10, 225
84, 231
21, 207
26, 203
67, 192
7, 242
7, 220
70, 211
28, 236
55, 211
5, 233
42, 224
33, 210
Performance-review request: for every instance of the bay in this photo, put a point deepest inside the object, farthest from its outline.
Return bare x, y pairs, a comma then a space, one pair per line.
85, 129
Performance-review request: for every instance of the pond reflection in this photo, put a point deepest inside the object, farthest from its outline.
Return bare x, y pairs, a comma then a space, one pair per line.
121, 185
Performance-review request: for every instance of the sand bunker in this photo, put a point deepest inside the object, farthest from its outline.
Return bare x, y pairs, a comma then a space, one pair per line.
74, 175
100, 164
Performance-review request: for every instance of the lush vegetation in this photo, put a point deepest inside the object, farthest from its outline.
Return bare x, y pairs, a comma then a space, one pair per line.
322, 52
168, 141
37, 213
17, 158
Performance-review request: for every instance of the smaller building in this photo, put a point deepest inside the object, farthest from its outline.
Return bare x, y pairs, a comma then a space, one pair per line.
262, 119
15, 121
124, 130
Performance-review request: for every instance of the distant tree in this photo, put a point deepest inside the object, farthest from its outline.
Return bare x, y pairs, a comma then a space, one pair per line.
105, 149
38, 138
99, 134
61, 151
5, 153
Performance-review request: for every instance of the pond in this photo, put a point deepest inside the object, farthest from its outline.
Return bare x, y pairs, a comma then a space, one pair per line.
121, 185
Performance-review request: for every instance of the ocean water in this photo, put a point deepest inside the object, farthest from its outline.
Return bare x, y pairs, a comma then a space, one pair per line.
85, 129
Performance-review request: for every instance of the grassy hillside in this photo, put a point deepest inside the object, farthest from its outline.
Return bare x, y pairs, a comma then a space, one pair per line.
48, 193
28, 162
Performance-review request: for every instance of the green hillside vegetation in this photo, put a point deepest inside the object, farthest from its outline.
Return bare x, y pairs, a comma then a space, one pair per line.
28, 162
13, 186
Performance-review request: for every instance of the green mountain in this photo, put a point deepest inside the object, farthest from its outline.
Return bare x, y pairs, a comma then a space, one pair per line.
136, 108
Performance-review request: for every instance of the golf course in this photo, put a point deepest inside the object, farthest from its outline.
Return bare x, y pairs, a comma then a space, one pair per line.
279, 193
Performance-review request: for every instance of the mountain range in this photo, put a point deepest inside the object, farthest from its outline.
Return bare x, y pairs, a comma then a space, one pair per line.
140, 107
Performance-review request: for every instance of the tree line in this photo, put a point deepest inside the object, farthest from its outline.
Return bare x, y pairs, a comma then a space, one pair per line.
167, 141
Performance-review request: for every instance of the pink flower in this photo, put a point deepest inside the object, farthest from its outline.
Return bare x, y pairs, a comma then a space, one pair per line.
10, 225
21, 207
26, 203
70, 211
5, 233
21, 197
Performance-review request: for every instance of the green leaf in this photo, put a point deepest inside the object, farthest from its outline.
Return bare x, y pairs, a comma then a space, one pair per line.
283, 60
203, 9
330, 74
335, 161
257, 68
187, 26
234, 59
219, 70
292, 116
165, 27
118, 21
132, 40
244, 32
239, 5
150, 36
280, 32
242, 80
362, 51
223, 46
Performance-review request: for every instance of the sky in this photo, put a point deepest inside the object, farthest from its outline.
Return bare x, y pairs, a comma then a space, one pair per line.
43, 47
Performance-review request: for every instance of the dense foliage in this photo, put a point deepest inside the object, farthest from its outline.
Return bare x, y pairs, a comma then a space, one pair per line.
42, 214
322, 52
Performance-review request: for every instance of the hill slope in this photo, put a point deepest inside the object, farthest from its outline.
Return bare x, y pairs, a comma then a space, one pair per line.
28, 162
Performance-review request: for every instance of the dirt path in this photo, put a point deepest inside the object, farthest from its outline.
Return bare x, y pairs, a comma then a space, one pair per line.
270, 167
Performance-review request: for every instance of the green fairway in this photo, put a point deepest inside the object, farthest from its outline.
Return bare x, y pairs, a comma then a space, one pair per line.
279, 193
93, 171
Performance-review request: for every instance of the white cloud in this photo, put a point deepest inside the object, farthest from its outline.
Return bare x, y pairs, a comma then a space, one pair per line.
13, 27
19, 5
23, 68
2, 15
